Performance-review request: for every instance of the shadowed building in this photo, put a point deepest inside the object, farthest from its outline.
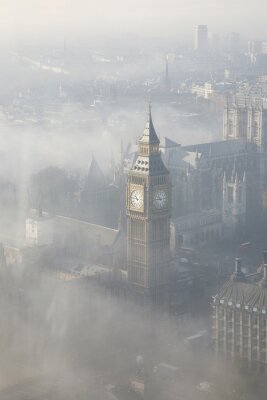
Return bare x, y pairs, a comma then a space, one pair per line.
98, 199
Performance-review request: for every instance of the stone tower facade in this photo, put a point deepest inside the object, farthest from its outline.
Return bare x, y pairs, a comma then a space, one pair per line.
248, 122
148, 217
234, 204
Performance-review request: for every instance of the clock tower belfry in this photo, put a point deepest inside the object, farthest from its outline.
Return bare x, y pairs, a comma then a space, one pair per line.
148, 217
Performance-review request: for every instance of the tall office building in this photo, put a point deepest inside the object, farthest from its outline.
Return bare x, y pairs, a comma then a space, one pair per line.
201, 38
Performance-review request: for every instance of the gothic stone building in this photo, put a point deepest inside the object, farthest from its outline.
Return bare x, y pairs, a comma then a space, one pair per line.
240, 319
247, 121
216, 190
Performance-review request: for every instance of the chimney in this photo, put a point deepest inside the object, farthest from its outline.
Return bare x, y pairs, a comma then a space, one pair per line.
238, 275
238, 265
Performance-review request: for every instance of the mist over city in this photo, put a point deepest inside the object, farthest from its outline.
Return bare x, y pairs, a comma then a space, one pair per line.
133, 200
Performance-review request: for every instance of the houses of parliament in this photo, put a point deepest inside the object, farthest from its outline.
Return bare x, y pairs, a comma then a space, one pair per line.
157, 200
135, 254
162, 199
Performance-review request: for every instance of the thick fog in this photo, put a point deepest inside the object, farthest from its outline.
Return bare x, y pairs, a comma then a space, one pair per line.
78, 79
63, 340
53, 19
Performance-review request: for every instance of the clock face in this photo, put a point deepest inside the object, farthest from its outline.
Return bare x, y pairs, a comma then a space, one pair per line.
136, 199
160, 199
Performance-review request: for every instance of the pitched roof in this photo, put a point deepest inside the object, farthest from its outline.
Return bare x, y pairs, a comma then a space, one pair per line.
152, 165
221, 148
95, 175
168, 143
103, 235
244, 294
149, 135
149, 164
180, 158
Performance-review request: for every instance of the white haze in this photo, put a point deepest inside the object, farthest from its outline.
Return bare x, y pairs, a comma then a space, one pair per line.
36, 19
70, 334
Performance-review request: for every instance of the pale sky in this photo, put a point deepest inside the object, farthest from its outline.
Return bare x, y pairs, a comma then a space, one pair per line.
152, 17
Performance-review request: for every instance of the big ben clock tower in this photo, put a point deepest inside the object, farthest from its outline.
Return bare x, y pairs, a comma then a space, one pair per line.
148, 218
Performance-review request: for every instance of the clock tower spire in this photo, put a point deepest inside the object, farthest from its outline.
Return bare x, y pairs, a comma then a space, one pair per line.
148, 217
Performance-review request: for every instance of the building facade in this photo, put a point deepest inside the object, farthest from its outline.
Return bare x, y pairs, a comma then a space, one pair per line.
148, 217
196, 229
246, 121
201, 38
234, 204
240, 319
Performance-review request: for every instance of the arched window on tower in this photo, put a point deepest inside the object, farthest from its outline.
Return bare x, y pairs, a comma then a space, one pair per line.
255, 130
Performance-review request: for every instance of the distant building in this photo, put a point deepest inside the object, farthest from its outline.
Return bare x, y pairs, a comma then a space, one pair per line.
240, 318
206, 90
247, 121
234, 41
215, 91
39, 228
201, 38
264, 47
254, 47
216, 42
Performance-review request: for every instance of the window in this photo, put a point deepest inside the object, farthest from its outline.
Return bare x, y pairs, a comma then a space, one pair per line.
230, 128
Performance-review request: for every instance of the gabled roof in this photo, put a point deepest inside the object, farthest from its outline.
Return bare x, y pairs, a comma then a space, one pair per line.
95, 175
168, 143
181, 159
93, 233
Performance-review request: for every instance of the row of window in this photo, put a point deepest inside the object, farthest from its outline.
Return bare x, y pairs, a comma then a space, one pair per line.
137, 275
137, 229
160, 229
148, 149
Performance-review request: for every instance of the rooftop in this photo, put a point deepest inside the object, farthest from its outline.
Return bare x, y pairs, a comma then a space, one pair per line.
149, 134
243, 295
221, 148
